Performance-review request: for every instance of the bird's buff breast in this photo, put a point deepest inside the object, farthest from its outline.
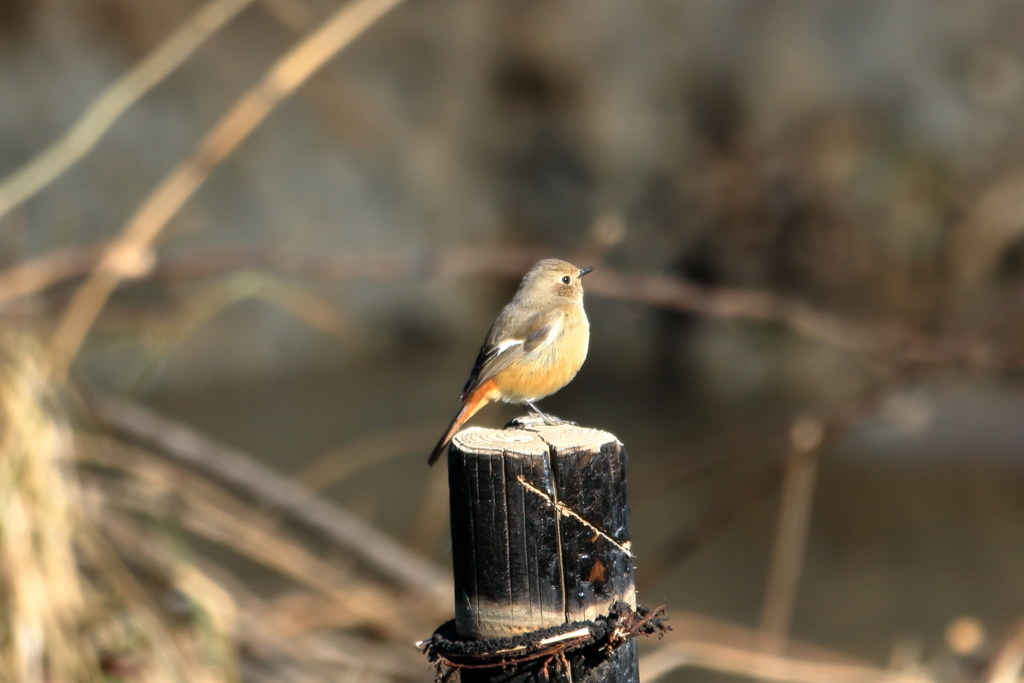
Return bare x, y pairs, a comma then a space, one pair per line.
548, 369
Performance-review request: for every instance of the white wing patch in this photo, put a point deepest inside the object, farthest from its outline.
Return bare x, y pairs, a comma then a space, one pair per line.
507, 344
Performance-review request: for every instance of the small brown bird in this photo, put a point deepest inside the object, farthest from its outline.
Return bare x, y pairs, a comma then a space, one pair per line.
534, 348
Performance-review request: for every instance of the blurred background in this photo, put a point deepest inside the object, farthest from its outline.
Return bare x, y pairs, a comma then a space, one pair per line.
222, 250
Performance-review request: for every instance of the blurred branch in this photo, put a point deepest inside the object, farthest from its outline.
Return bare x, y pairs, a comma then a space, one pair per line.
279, 493
111, 565
706, 643
209, 512
202, 306
893, 342
724, 302
807, 442
806, 436
360, 659
430, 523
696, 457
1008, 663
36, 275
753, 664
295, 14
130, 255
453, 263
108, 107
890, 341
339, 463
264, 630
719, 516
690, 627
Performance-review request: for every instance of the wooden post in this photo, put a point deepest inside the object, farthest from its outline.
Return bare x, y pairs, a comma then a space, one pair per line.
540, 538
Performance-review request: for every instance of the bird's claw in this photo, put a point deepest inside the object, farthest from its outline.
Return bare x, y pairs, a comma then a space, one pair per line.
522, 422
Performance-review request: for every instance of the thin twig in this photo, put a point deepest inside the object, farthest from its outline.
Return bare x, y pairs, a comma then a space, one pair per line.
113, 101
243, 473
131, 249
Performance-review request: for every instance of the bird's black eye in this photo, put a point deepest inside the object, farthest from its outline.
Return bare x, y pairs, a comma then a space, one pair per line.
566, 279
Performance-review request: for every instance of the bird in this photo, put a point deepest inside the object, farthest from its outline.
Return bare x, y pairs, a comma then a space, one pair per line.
535, 347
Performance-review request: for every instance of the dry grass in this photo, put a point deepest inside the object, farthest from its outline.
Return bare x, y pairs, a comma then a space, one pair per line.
72, 610
43, 599
99, 582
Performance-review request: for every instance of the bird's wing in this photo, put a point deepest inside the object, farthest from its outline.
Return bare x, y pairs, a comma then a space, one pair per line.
497, 354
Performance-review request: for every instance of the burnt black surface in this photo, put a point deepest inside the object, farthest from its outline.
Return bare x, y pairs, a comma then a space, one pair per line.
504, 541
594, 486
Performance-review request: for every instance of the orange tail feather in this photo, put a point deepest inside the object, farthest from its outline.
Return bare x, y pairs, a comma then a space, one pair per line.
474, 402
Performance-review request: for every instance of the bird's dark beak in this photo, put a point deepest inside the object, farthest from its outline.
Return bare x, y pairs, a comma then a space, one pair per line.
584, 271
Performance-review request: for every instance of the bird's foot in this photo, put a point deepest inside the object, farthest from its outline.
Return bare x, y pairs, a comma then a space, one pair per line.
528, 421
534, 420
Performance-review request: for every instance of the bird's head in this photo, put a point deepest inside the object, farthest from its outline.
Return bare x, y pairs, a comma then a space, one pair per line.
554, 280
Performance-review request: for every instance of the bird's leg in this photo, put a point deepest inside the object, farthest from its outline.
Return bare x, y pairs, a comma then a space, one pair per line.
538, 412
548, 419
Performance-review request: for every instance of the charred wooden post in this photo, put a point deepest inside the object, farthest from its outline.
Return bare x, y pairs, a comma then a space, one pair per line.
540, 538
